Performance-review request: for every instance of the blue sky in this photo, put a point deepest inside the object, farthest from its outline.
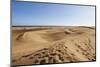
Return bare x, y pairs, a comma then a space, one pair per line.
29, 13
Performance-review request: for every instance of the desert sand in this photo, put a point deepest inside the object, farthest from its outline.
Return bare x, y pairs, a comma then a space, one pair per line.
38, 45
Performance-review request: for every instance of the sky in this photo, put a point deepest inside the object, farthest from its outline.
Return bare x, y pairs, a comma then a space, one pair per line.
46, 14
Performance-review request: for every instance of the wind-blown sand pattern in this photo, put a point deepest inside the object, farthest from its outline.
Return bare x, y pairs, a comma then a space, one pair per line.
46, 45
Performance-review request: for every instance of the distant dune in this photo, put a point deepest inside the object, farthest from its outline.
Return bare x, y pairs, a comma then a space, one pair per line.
52, 45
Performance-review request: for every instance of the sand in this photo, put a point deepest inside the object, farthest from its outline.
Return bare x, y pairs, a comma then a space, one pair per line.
38, 45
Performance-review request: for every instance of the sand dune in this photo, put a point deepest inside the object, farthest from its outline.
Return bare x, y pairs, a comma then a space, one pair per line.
53, 45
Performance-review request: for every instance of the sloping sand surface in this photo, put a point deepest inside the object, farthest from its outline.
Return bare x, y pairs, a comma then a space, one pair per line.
53, 45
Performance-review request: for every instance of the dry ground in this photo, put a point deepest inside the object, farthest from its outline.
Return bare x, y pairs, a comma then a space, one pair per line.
53, 45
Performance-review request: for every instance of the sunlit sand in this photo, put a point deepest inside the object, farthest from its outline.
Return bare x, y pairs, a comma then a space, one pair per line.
43, 45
